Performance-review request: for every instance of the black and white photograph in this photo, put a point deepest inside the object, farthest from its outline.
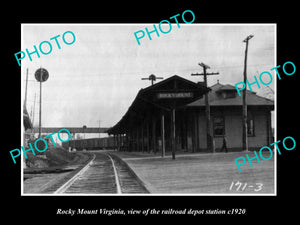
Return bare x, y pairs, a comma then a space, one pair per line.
148, 109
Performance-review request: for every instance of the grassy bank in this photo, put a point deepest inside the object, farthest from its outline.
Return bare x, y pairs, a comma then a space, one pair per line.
53, 156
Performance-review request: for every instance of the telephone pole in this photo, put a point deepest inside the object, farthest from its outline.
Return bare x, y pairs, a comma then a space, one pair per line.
32, 113
245, 128
209, 138
25, 101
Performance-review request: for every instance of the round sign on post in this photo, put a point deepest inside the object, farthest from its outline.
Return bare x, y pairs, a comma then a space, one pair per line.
41, 75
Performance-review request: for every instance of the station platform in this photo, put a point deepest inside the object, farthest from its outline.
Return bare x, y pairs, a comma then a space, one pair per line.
199, 173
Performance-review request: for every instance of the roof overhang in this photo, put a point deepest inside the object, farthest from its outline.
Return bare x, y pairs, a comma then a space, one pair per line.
171, 93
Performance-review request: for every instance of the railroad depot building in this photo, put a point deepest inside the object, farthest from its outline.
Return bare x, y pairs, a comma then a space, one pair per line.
171, 115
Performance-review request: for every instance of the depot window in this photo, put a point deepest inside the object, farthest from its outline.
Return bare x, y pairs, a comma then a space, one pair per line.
219, 125
250, 125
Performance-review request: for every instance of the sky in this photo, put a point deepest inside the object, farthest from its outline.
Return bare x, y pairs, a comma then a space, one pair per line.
98, 76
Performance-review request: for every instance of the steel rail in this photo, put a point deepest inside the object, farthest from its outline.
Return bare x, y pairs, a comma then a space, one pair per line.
119, 191
66, 185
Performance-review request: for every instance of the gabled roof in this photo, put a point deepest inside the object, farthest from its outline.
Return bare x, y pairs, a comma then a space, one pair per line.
147, 100
165, 81
226, 87
215, 99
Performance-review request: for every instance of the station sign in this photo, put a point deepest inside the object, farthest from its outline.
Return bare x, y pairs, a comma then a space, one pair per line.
175, 95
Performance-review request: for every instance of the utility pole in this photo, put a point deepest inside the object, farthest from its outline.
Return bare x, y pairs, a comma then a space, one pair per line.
245, 129
153, 78
32, 113
40, 117
209, 138
33, 109
25, 101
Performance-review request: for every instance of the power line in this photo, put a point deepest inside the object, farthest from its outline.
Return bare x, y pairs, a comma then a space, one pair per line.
106, 74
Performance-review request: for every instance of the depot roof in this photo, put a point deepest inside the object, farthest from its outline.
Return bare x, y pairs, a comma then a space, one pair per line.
226, 95
172, 92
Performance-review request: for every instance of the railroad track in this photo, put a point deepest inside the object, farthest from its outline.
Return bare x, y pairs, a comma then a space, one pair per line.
104, 174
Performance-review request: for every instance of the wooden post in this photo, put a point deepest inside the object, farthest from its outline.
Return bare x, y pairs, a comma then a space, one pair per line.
119, 142
142, 132
154, 134
126, 142
133, 140
194, 132
136, 144
163, 135
197, 131
148, 134
114, 138
269, 128
185, 124
130, 141
173, 133
138, 139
